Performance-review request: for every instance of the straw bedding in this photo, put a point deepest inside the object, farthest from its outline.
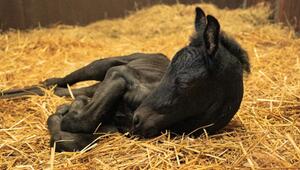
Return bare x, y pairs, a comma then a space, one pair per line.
263, 134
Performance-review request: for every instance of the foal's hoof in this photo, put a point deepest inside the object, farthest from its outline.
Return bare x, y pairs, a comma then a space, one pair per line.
71, 124
53, 81
54, 120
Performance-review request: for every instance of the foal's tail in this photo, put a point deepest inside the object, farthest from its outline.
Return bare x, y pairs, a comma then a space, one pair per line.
23, 92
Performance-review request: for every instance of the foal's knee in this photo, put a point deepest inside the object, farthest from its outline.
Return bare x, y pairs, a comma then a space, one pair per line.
117, 72
78, 104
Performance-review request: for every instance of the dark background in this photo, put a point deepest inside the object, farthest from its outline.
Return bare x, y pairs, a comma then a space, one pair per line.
24, 14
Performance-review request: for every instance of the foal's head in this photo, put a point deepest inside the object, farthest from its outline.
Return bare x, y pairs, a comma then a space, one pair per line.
191, 84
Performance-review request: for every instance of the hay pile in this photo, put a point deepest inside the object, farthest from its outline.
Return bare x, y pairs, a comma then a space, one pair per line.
264, 134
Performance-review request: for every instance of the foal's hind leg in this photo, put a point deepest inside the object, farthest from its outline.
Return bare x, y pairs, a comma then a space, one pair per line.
59, 91
84, 91
93, 71
66, 141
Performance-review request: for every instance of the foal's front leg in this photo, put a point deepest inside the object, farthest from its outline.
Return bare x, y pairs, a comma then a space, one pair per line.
106, 96
67, 141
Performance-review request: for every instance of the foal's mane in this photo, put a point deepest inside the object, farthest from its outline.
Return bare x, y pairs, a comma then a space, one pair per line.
229, 44
236, 50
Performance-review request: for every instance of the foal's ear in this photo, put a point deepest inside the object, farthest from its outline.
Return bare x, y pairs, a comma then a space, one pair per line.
200, 21
211, 35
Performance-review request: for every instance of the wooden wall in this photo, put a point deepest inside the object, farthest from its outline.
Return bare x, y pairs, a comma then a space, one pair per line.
231, 4
24, 14
289, 13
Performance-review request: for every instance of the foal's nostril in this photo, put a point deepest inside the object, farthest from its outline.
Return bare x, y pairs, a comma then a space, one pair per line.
136, 121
